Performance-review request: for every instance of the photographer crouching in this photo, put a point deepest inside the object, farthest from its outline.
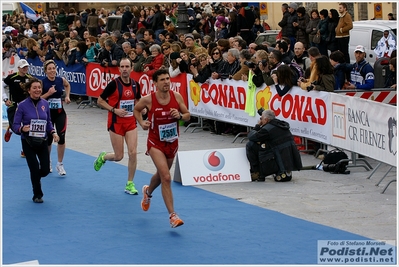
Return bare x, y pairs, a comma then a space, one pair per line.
271, 149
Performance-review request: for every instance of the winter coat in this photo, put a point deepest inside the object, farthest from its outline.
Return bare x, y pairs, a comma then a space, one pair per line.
62, 22
276, 143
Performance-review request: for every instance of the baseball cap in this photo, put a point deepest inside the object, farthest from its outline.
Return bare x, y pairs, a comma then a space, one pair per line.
22, 63
360, 48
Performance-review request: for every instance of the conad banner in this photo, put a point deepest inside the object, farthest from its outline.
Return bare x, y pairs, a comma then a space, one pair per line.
98, 77
365, 127
306, 112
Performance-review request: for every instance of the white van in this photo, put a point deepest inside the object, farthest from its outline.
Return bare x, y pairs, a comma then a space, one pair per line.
8, 8
368, 33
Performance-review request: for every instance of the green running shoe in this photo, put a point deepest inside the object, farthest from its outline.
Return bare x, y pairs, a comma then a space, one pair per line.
99, 162
130, 189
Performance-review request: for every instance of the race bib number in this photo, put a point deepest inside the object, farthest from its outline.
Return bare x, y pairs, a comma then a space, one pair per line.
128, 105
55, 103
37, 128
168, 132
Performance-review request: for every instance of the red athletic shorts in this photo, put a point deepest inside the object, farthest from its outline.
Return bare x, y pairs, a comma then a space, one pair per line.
169, 149
121, 128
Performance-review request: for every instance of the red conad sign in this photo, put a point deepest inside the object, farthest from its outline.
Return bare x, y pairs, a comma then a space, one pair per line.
98, 77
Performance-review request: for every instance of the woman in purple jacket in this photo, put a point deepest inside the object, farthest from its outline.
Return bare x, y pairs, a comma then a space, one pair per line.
32, 121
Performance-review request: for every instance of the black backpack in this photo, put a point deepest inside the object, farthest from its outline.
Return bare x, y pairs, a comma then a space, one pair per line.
331, 162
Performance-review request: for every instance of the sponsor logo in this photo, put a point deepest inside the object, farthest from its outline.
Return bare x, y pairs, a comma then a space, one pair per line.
214, 160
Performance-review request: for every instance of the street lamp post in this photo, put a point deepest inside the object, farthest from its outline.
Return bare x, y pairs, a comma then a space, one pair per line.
182, 19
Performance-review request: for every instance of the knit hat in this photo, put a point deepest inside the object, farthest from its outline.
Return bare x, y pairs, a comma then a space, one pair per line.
189, 35
293, 5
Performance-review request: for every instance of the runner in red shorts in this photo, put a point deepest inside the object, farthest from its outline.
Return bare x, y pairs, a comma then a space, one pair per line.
122, 94
165, 109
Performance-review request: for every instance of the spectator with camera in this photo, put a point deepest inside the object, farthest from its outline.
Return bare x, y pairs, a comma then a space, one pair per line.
262, 70
45, 52
202, 72
115, 53
271, 148
321, 77
174, 69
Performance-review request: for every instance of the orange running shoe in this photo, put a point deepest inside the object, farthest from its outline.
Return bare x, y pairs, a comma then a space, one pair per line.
22, 154
146, 201
7, 135
175, 221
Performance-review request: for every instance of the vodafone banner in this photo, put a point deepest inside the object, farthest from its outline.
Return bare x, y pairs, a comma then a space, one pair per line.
306, 112
98, 78
365, 127
217, 166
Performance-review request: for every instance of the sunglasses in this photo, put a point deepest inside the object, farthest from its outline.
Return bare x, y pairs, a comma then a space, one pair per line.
216, 53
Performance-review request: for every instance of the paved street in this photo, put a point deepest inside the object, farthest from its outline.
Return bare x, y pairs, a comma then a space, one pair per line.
348, 202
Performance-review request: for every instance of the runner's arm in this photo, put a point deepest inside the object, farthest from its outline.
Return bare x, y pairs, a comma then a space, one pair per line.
185, 114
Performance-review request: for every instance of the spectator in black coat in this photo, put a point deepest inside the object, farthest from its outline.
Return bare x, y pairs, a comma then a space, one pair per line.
126, 19
245, 22
157, 24
115, 53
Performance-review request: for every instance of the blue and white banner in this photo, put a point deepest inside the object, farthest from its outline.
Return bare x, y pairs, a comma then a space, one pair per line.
29, 12
75, 74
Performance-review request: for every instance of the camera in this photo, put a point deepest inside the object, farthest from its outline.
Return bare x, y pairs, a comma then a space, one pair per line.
264, 62
260, 111
310, 87
250, 64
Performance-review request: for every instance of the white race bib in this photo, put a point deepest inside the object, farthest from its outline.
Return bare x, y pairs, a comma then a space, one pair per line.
37, 128
168, 132
55, 103
128, 105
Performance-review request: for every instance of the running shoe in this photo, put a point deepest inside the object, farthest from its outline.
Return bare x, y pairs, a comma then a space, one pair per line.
99, 162
60, 169
38, 200
146, 201
175, 221
22, 154
130, 189
7, 135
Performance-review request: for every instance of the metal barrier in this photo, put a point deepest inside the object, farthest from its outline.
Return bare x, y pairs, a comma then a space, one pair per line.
382, 95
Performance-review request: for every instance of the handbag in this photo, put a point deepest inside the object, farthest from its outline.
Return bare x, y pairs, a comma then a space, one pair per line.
316, 38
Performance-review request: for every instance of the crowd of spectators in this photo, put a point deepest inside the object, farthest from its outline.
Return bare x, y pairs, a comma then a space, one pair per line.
219, 45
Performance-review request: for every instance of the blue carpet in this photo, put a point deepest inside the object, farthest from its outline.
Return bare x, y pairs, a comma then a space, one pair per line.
87, 219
